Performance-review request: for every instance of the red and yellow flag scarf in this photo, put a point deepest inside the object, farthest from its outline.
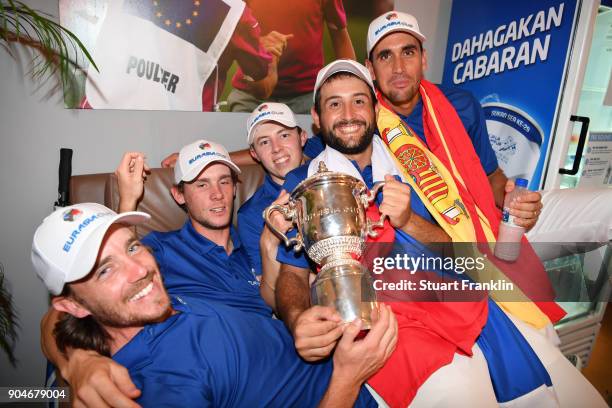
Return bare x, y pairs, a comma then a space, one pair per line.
449, 179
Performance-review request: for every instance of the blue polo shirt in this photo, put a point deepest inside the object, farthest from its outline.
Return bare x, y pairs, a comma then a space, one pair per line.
471, 115
210, 355
314, 146
251, 222
250, 219
289, 256
193, 265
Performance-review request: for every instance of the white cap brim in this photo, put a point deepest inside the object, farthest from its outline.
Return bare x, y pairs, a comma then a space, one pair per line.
196, 170
349, 66
392, 22
288, 122
414, 33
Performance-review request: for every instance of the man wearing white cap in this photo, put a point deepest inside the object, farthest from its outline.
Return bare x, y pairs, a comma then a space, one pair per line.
204, 258
275, 141
397, 61
436, 337
181, 351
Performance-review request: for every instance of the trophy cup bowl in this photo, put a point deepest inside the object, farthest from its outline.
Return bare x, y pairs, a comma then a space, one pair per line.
328, 211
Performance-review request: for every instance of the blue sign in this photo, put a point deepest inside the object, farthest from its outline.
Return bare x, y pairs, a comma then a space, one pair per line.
512, 58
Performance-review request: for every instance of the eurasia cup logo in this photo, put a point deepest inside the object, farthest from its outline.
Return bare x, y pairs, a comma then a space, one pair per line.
71, 214
391, 16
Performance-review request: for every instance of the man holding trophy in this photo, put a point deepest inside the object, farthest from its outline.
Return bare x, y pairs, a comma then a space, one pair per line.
446, 350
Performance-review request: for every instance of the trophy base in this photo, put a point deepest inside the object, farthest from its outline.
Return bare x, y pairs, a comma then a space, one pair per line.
349, 289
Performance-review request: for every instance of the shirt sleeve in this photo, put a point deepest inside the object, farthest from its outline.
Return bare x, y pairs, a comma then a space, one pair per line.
472, 116
287, 255
252, 58
314, 146
249, 236
480, 138
333, 11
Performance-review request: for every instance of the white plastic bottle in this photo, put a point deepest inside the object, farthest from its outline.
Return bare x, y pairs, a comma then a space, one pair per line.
508, 246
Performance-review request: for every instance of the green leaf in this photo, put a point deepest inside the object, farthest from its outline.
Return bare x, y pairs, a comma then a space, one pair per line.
52, 42
8, 321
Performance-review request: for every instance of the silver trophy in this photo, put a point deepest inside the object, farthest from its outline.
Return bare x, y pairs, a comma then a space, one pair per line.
328, 209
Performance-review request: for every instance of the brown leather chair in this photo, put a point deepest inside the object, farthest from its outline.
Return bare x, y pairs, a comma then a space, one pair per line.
166, 215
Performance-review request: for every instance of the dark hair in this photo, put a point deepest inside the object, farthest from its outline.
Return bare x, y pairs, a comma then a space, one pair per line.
333, 77
82, 333
85, 333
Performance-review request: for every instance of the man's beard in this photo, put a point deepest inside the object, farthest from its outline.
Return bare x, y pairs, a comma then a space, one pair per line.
332, 140
398, 97
110, 317
113, 315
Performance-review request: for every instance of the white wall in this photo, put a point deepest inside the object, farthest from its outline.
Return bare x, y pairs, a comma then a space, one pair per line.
434, 18
33, 129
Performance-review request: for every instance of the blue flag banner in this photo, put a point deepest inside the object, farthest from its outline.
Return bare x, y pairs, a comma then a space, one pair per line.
512, 58
197, 22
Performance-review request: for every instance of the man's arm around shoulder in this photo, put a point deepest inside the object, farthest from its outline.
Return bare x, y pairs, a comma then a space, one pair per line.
94, 380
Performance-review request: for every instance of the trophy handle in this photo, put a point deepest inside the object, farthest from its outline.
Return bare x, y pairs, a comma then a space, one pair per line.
370, 225
375, 188
290, 213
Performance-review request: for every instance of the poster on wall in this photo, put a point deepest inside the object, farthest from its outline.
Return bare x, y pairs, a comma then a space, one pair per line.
597, 168
209, 55
512, 58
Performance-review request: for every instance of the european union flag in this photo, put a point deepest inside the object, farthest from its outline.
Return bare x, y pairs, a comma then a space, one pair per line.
195, 21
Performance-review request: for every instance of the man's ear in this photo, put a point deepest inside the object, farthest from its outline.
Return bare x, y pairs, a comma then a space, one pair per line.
177, 195
70, 306
303, 137
315, 117
424, 60
370, 68
254, 154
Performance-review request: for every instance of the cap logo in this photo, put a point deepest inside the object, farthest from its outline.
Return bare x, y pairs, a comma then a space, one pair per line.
391, 16
71, 214
74, 235
206, 154
262, 115
390, 25
262, 107
204, 146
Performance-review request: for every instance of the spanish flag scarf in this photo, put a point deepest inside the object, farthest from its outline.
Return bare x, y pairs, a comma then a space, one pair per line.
462, 203
449, 179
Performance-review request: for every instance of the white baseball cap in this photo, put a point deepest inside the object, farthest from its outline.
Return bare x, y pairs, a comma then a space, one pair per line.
66, 244
342, 65
390, 22
194, 157
269, 111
